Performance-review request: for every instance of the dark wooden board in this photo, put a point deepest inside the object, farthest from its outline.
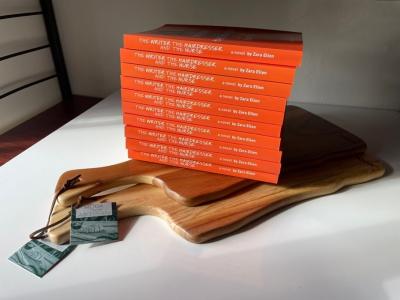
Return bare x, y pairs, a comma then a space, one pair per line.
308, 140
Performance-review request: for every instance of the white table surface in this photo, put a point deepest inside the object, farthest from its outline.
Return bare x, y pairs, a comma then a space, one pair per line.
341, 246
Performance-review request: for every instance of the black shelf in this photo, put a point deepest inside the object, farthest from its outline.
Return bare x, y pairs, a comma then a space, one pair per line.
53, 43
18, 15
26, 84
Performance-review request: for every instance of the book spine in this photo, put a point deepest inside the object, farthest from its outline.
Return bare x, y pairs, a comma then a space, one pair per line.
235, 84
231, 68
206, 94
206, 156
272, 130
227, 136
201, 144
199, 106
191, 47
203, 166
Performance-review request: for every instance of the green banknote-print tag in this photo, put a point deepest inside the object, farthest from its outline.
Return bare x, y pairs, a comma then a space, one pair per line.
94, 223
39, 256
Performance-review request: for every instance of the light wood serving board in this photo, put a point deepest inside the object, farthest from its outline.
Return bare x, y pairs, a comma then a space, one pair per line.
188, 187
208, 221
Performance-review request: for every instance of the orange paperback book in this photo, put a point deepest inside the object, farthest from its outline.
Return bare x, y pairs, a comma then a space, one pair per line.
206, 156
206, 94
203, 166
231, 43
198, 106
272, 130
236, 84
224, 67
229, 136
193, 142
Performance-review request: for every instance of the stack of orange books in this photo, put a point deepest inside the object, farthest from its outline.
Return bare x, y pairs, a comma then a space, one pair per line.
209, 98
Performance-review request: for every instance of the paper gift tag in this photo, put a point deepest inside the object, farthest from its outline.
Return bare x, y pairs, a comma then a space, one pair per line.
94, 223
39, 256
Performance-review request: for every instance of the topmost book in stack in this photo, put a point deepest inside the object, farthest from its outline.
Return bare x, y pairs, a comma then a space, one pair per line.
209, 98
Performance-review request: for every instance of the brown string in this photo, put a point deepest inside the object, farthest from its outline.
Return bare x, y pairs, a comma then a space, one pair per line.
42, 232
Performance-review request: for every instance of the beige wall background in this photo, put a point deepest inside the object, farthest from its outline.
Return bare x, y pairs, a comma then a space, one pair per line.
351, 47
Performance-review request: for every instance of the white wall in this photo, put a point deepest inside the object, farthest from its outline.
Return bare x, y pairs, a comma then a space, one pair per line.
18, 34
351, 47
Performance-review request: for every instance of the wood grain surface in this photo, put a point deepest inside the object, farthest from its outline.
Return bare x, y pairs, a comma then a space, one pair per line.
202, 223
188, 187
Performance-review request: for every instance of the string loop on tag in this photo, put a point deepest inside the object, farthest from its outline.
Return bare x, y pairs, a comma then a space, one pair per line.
42, 232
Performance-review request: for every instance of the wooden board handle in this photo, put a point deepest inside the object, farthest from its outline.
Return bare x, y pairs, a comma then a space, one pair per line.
95, 180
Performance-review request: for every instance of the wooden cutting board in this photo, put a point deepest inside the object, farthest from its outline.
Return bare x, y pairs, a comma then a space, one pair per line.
188, 187
202, 223
307, 140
